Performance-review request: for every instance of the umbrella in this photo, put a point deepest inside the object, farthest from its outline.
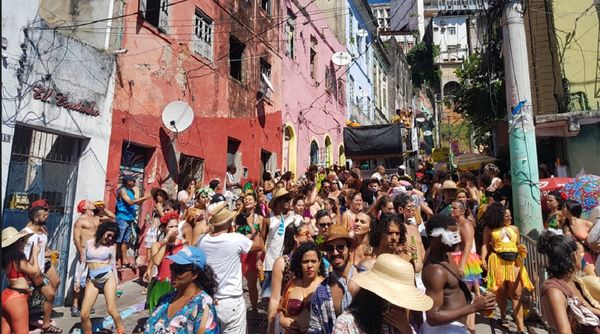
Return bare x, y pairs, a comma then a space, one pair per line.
585, 189
468, 161
553, 183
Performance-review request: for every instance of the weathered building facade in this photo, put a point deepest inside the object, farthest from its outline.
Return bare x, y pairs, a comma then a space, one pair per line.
219, 57
314, 99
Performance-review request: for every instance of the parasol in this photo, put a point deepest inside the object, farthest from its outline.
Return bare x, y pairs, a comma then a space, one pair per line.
467, 161
585, 189
553, 183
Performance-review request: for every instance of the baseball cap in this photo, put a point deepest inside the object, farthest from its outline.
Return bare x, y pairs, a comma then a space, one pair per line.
41, 203
189, 255
81, 206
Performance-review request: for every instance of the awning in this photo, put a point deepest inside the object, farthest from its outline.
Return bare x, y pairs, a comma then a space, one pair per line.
373, 141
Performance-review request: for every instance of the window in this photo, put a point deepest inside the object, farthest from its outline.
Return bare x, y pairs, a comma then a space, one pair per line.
351, 24
329, 81
451, 31
155, 12
265, 71
290, 34
266, 6
234, 157
313, 58
341, 96
203, 33
190, 168
236, 54
314, 153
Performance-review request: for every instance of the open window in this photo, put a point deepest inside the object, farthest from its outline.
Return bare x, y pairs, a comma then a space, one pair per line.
236, 54
156, 12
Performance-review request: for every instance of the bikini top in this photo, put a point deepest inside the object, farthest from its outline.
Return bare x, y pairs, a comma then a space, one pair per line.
101, 254
13, 273
504, 240
293, 306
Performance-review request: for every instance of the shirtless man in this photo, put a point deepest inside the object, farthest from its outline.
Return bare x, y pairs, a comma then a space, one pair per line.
451, 297
84, 230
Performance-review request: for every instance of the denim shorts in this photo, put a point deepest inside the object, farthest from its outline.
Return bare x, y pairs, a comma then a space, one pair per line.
124, 230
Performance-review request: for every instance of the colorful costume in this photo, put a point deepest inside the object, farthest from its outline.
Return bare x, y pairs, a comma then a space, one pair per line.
472, 267
505, 242
187, 319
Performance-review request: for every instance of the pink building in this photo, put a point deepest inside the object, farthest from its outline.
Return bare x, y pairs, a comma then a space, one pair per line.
314, 104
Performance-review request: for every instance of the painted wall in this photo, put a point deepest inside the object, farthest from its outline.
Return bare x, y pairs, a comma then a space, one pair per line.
583, 150
80, 72
359, 86
163, 67
314, 112
576, 28
443, 26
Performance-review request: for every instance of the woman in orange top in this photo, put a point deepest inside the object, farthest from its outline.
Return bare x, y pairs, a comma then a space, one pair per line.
579, 228
507, 275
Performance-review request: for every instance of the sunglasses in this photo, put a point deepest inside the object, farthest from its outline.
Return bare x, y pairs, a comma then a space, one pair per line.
180, 269
340, 248
324, 225
304, 234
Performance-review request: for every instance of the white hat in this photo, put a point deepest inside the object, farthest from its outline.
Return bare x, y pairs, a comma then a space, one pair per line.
393, 279
10, 235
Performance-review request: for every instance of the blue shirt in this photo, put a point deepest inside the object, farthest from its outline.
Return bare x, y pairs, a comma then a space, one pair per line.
125, 211
322, 312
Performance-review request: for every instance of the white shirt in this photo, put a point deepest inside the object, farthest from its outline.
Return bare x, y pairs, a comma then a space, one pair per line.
223, 256
274, 242
37, 238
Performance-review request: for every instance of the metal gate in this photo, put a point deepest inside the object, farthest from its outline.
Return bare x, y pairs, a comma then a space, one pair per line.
44, 165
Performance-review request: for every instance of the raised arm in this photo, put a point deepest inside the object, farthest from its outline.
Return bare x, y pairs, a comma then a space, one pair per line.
130, 201
276, 280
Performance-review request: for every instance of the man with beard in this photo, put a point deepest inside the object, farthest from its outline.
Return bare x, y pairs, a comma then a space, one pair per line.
451, 296
334, 294
47, 280
388, 235
272, 231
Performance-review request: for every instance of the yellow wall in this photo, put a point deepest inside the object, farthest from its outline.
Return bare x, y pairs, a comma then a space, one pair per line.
580, 53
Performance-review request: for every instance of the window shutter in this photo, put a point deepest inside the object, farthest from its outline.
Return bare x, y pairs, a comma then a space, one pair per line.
163, 16
143, 8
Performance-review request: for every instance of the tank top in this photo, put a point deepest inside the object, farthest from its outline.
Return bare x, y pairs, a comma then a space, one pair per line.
164, 270
124, 210
504, 240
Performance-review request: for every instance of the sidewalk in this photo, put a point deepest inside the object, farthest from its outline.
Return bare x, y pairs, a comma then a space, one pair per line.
130, 304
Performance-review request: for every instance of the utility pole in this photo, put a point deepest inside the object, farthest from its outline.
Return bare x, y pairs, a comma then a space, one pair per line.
523, 152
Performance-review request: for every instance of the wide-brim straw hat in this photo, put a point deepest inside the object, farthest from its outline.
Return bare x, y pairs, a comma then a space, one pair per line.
10, 235
220, 215
338, 232
449, 185
277, 194
393, 279
155, 191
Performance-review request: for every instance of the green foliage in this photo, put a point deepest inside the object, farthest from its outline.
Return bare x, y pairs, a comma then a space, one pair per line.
480, 97
421, 58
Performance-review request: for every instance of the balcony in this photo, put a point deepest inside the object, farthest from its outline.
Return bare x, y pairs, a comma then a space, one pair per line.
452, 54
453, 7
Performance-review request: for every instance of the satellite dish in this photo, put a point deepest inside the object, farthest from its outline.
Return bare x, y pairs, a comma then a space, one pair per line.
420, 119
341, 58
362, 33
268, 82
427, 133
177, 116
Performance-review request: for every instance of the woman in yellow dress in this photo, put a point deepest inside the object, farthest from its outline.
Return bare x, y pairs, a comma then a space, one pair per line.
507, 276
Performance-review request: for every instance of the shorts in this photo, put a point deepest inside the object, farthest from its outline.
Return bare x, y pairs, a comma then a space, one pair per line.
124, 230
81, 271
232, 315
265, 286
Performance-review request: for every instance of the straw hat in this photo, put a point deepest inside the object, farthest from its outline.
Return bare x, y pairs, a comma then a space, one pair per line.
393, 279
155, 191
278, 193
10, 235
449, 185
336, 232
220, 215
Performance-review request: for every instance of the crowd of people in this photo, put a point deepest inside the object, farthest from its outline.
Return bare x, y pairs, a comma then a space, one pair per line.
328, 252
